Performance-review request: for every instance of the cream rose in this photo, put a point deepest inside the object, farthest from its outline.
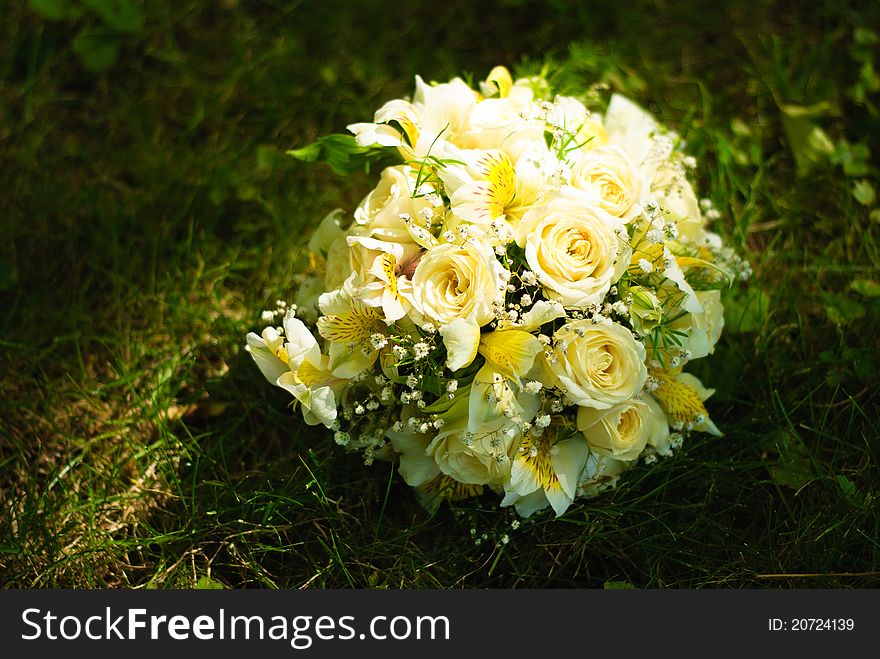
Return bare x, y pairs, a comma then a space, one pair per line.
479, 458
597, 365
381, 215
607, 172
621, 431
459, 281
576, 250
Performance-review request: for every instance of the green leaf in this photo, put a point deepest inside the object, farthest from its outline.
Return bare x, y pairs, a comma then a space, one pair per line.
96, 48
793, 468
842, 310
618, 585
849, 491
120, 15
854, 158
865, 287
341, 152
55, 10
846, 485
810, 146
863, 191
432, 384
207, 583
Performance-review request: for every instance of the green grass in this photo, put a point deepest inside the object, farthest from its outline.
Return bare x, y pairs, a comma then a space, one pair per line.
149, 214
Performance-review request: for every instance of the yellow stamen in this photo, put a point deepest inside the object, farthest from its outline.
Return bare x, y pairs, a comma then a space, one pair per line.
389, 266
498, 171
353, 326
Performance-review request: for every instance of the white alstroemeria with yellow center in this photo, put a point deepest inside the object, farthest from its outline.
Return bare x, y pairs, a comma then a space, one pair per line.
492, 193
681, 397
431, 125
385, 270
349, 326
293, 361
497, 387
463, 339
545, 472
498, 186
392, 288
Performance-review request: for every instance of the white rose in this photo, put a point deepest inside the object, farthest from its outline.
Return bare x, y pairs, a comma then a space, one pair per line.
608, 172
576, 250
381, 213
597, 365
459, 281
497, 122
621, 431
478, 458
631, 128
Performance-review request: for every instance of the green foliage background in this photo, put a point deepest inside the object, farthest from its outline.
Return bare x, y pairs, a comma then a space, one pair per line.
149, 214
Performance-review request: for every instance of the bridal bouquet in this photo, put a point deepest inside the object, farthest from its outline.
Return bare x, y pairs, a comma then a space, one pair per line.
513, 305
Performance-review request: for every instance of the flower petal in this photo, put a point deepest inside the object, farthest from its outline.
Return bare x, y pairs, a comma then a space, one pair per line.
462, 340
511, 352
269, 364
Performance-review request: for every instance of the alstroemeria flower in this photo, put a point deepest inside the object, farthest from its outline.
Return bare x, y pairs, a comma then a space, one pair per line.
349, 326
545, 472
385, 268
431, 124
293, 361
681, 396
